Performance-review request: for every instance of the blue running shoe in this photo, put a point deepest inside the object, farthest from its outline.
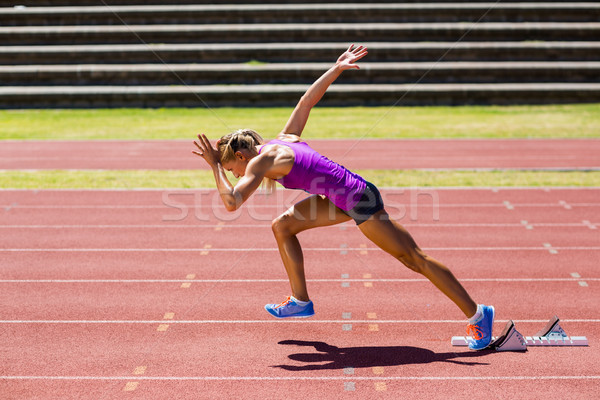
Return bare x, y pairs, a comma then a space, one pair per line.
481, 331
289, 308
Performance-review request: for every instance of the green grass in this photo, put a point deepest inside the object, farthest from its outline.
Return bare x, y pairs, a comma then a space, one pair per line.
255, 63
553, 121
105, 179
152, 179
505, 178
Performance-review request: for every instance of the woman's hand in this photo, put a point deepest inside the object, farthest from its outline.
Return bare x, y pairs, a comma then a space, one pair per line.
350, 56
207, 151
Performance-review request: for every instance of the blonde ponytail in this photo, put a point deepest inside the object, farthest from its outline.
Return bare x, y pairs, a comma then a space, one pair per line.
228, 145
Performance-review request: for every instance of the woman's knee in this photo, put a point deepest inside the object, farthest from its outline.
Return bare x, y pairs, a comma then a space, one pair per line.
283, 226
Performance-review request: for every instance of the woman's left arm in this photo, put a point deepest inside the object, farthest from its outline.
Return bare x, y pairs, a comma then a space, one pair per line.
315, 92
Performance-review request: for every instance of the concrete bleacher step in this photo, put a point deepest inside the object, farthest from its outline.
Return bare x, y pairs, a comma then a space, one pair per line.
264, 33
297, 73
300, 13
44, 3
298, 52
288, 95
195, 53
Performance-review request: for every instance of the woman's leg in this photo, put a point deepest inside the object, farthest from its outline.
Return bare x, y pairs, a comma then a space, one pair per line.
395, 240
309, 213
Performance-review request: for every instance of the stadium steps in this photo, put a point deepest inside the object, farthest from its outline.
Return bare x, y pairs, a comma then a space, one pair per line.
297, 73
268, 95
314, 32
299, 13
55, 3
78, 56
299, 52
45, 3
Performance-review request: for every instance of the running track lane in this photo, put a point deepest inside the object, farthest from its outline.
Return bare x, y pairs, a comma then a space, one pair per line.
202, 359
457, 197
467, 265
364, 154
38, 303
257, 361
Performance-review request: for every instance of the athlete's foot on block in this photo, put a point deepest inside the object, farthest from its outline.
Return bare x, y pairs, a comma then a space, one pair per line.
481, 330
290, 308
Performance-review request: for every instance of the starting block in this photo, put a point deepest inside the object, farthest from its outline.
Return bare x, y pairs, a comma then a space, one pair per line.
511, 340
554, 335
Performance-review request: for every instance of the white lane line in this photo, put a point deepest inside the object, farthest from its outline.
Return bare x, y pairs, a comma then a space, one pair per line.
346, 280
526, 224
271, 321
221, 225
564, 204
561, 224
391, 280
550, 248
582, 282
299, 378
386, 188
521, 205
94, 207
589, 224
545, 248
506, 204
344, 249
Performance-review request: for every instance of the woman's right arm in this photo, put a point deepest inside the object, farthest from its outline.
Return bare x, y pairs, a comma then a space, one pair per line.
313, 95
233, 196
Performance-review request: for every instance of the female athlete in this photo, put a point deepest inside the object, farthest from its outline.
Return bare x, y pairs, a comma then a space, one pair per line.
338, 196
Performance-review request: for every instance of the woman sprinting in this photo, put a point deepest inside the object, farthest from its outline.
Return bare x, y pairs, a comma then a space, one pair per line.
338, 195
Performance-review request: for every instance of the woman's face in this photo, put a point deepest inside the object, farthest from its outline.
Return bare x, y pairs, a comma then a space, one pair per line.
236, 166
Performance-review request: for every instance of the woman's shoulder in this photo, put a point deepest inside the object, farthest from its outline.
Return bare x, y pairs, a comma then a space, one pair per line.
288, 137
277, 157
281, 144
278, 148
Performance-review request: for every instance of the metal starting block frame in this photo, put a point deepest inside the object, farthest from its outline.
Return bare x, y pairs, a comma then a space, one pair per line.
511, 340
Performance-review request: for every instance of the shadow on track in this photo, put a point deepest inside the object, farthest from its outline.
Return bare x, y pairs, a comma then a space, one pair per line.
366, 357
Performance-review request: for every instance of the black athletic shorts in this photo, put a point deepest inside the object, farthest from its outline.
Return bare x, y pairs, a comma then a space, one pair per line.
369, 203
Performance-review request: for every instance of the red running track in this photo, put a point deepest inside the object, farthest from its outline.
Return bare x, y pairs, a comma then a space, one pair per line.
105, 295
92, 308
354, 154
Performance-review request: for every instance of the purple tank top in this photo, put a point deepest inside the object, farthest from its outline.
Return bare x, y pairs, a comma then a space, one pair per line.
316, 174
